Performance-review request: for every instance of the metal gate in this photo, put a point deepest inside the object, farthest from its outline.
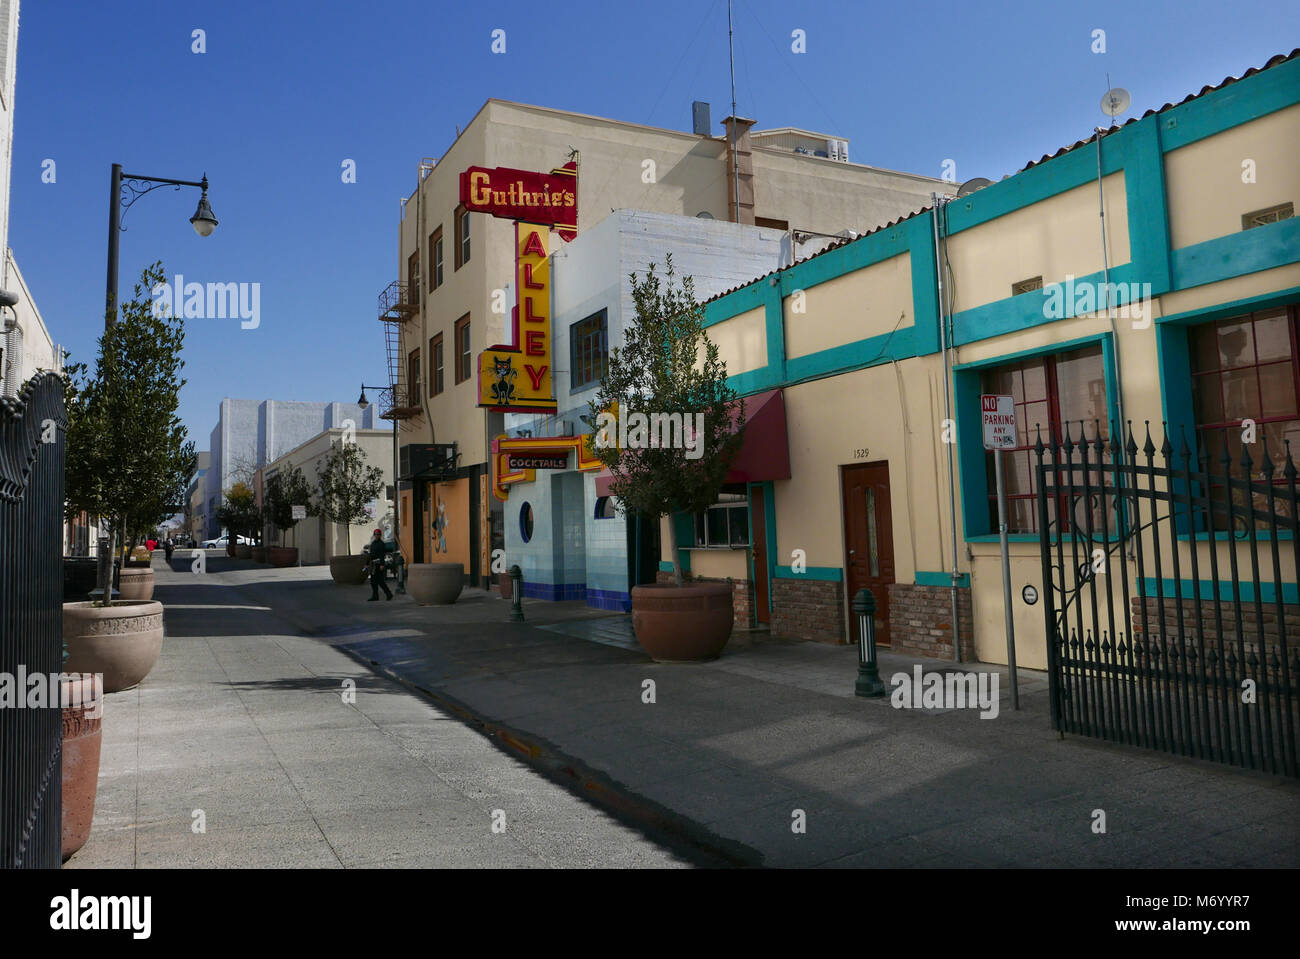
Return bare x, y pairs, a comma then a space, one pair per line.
1170, 596
31, 620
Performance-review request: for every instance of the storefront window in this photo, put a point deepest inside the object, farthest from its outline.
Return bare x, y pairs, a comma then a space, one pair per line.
725, 524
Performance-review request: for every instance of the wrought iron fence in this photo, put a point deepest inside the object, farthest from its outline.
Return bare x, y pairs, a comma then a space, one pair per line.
31, 619
1170, 596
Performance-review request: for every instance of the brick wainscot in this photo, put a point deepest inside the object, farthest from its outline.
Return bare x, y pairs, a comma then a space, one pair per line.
920, 621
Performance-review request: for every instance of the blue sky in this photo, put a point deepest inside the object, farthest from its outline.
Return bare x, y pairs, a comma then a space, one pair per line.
289, 89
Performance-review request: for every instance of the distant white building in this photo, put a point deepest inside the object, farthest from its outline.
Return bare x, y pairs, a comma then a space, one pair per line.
252, 433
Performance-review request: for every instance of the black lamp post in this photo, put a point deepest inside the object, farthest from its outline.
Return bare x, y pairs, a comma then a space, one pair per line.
126, 189
364, 403
869, 683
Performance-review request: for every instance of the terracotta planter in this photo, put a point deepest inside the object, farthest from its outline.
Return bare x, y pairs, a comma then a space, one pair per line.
283, 555
243, 551
121, 641
259, 554
82, 711
136, 583
682, 624
349, 570
505, 586
435, 584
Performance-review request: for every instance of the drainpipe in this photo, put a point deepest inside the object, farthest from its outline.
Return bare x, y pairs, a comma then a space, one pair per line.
1105, 279
945, 340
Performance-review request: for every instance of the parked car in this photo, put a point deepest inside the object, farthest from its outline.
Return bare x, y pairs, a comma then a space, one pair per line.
222, 541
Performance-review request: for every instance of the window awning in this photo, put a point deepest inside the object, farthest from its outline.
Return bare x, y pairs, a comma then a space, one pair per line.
764, 452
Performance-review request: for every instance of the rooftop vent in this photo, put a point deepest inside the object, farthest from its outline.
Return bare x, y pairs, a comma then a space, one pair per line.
701, 125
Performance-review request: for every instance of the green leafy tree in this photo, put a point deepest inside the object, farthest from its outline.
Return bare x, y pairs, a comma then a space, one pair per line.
128, 458
283, 491
666, 365
346, 485
239, 514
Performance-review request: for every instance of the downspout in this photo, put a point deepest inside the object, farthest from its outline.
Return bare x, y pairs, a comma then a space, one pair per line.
945, 341
1105, 279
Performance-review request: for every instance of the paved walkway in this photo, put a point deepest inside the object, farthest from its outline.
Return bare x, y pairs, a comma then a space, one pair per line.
734, 755
244, 728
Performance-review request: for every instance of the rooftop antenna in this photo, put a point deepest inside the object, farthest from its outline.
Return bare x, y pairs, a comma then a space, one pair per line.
735, 168
1115, 101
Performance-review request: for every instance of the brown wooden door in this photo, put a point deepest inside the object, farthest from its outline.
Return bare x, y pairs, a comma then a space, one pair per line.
868, 541
758, 537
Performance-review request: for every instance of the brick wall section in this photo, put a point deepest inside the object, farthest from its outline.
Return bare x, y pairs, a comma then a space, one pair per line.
808, 609
742, 595
1204, 611
920, 621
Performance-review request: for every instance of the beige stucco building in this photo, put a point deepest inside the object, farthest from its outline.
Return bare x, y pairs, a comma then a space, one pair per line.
316, 538
1201, 265
457, 268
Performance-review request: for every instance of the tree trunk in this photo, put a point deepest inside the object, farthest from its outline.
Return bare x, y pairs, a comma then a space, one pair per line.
672, 545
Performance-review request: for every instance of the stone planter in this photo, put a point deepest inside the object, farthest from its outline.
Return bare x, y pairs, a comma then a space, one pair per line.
349, 570
243, 551
136, 583
83, 706
259, 554
121, 641
283, 555
435, 584
682, 624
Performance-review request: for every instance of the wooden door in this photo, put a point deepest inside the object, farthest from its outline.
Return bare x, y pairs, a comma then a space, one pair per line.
868, 541
758, 537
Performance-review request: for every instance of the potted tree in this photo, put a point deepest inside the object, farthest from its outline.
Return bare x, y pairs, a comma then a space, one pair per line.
127, 456
667, 365
284, 490
345, 486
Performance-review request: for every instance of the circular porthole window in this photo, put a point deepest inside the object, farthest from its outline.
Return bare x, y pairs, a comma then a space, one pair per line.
526, 521
605, 507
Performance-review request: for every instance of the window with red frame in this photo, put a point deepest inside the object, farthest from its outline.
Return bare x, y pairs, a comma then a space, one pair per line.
1049, 392
1245, 368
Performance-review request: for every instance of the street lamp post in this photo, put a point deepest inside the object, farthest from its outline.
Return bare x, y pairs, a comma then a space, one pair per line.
363, 403
124, 190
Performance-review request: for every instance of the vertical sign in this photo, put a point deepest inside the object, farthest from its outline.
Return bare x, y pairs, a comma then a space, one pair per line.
516, 377
998, 414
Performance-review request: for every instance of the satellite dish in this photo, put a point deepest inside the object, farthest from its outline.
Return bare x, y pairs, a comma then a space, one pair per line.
1115, 102
970, 186
704, 215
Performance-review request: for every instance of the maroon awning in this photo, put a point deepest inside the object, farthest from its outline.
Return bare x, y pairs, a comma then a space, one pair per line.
764, 453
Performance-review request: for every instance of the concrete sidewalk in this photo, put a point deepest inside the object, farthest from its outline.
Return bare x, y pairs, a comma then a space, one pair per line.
738, 753
244, 728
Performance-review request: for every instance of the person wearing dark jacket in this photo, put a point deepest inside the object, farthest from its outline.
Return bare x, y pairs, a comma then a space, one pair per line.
378, 578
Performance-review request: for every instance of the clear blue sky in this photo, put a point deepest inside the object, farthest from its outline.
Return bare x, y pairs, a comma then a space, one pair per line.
288, 89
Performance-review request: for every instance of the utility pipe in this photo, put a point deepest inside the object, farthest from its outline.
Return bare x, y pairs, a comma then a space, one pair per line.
947, 412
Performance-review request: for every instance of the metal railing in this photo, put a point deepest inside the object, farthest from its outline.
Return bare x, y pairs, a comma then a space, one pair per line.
1171, 602
31, 619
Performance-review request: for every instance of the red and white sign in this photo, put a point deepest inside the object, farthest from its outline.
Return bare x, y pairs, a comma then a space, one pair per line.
998, 414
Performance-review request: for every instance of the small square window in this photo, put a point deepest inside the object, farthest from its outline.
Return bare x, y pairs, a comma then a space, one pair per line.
1027, 286
1272, 214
